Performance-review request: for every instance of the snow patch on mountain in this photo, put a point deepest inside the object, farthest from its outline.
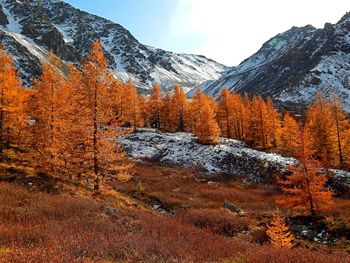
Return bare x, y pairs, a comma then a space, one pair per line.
331, 77
13, 22
33, 48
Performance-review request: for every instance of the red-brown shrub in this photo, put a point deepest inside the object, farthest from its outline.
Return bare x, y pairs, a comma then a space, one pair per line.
218, 221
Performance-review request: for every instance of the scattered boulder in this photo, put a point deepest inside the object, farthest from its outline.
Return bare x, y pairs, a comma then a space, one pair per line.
232, 208
109, 210
310, 228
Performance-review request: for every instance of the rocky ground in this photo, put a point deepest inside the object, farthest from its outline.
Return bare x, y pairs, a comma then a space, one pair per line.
230, 157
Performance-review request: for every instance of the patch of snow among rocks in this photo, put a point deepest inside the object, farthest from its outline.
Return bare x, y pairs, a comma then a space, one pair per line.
181, 149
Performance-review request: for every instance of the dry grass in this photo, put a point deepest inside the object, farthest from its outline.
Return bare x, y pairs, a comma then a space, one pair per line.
112, 227
38, 227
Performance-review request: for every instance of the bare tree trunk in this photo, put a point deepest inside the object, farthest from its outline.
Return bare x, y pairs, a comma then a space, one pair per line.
95, 159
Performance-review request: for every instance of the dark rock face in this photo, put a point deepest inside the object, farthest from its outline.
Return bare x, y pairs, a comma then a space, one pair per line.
3, 17
53, 40
69, 32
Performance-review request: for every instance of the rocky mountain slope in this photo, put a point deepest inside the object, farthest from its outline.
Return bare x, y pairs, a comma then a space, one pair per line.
29, 28
293, 66
230, 157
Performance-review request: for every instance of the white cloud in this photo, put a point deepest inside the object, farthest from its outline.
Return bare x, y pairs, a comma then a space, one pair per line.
231, 30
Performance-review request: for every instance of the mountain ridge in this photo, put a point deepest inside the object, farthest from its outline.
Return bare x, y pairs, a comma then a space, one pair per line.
293, 66
70, 32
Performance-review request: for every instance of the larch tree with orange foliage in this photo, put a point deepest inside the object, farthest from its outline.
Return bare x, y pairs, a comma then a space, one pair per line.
142, 102
178, 105
289, 136
278, 232
224, 113
257, 123
192, 111
154, 107
263, 123
103, 153
120, 100
341, 126
320, 126
305, 189
131, 112
231, 115
165, 118
273, 124
13, 99
47, 139
72, 112
239, 118
206, 128
20, 135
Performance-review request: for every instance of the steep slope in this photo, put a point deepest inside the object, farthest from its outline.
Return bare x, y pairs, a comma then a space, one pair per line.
293, 66
69, 32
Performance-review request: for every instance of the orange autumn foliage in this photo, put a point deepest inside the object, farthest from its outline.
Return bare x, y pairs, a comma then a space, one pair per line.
263, 124
47, 138
166, 120
206, 128
289, 136
278, 232
305, 189
103, 154
328, 126
13, 101
75, 129
77, 113
154, 107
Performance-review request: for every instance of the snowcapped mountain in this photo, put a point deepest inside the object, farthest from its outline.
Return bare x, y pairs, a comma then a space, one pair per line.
293, 66
29, 28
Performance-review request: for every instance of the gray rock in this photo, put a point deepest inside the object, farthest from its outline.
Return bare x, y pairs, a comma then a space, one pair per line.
109, 210
3, 18
231, 207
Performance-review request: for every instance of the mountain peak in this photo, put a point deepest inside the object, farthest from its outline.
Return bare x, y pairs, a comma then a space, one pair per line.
346, 17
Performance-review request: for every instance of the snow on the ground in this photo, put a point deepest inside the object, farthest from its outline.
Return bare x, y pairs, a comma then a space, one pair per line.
229, 157
341, 175
181, 149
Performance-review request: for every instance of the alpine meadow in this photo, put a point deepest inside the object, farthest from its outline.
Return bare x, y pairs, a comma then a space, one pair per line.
116, 151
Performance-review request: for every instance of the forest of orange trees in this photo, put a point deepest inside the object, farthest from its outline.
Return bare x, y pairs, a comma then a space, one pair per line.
66, 123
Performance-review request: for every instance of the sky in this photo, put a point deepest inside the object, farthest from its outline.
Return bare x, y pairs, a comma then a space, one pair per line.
227, 31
